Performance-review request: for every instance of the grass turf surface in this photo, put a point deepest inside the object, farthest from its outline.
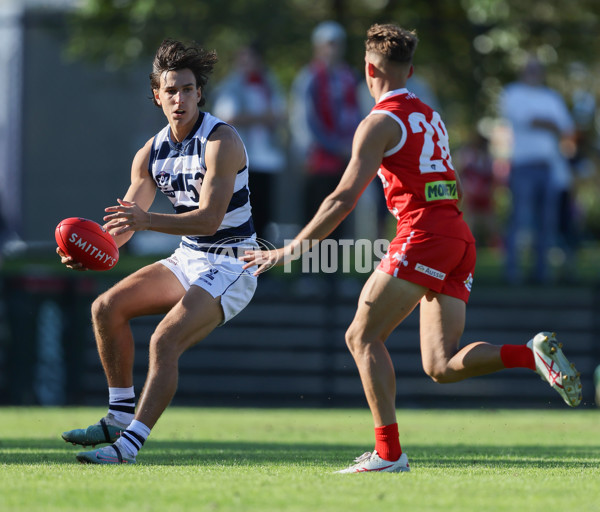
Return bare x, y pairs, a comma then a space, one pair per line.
268, 460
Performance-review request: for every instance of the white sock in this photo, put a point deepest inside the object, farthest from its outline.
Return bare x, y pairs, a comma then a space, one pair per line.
133, 438
121, 404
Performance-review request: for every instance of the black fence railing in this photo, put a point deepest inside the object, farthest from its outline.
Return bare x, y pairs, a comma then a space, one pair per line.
284, 350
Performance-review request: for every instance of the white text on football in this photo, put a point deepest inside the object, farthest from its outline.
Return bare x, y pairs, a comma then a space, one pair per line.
92, 250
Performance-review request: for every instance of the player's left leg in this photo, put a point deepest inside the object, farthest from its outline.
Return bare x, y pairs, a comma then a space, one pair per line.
189, 322
442, 323
195, 316
443, 319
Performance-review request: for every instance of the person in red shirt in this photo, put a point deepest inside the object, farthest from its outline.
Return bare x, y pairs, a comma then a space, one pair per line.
430, 262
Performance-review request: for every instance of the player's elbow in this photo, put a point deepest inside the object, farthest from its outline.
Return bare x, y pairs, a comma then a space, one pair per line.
211, 226
207, 222
347, 205
342, 203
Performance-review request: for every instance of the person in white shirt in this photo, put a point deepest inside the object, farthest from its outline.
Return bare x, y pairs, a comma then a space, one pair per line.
540, 120
251, 99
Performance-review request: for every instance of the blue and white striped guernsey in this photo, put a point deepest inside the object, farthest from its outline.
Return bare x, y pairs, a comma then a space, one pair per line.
178, 170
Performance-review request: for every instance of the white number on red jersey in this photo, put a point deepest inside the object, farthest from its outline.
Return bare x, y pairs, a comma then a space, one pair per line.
433, 131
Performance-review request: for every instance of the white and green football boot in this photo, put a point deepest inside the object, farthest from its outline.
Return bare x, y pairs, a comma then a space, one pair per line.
553, 367
107, 430
110, 454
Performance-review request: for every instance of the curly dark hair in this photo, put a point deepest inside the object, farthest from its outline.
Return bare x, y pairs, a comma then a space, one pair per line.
173, 55
392, 42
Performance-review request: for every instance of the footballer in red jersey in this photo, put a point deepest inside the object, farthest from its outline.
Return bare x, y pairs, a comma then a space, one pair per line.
430, 262
433, 245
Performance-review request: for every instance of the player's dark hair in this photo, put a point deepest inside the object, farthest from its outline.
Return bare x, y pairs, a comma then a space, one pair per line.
173, 55
392, 42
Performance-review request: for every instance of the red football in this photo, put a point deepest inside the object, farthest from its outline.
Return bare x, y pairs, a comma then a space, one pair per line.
87, 242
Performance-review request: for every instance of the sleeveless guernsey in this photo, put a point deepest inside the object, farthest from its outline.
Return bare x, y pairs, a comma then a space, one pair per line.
179, 169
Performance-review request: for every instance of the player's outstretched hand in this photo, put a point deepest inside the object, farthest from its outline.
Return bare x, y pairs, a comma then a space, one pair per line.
126, 216
264, 259
69, 262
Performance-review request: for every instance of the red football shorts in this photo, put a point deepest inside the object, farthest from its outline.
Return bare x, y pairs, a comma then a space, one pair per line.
442, 264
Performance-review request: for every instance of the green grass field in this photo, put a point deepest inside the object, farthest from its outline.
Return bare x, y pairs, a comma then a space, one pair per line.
266, 460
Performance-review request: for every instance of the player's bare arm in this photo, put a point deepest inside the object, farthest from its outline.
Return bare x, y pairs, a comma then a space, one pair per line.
224, 158
374, 135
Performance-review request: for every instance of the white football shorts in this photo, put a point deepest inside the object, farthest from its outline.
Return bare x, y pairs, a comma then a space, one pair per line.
218, 274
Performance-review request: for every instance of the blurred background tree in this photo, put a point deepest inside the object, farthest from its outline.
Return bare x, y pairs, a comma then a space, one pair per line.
468, 48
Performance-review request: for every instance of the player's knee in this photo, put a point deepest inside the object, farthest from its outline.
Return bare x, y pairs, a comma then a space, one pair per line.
358, 342
354, 340
438, 372
101, 308
163, 350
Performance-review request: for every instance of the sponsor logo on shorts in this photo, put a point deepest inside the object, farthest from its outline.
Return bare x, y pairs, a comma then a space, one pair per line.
469, 282
419, 267
437, 190
209, 277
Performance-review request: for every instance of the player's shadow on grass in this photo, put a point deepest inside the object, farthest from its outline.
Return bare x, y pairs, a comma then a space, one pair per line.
181, 453
505, 456
237, 453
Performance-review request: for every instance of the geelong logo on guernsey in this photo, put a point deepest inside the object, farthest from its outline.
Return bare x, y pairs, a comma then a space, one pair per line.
436, 190
430, 271
90, 249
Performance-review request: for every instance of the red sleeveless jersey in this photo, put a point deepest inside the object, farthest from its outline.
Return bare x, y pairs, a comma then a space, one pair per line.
418, 179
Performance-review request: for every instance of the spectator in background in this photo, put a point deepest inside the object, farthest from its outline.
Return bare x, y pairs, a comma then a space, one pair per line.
539, 173
325, 113
251, 99
474, 163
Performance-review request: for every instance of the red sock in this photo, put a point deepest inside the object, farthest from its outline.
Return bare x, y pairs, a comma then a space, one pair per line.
387, 442
517, 356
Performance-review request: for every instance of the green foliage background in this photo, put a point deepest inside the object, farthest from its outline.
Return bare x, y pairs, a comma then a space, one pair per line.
468, 50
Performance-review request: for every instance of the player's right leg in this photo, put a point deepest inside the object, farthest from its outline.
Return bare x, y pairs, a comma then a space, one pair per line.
151, 290
384, 302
